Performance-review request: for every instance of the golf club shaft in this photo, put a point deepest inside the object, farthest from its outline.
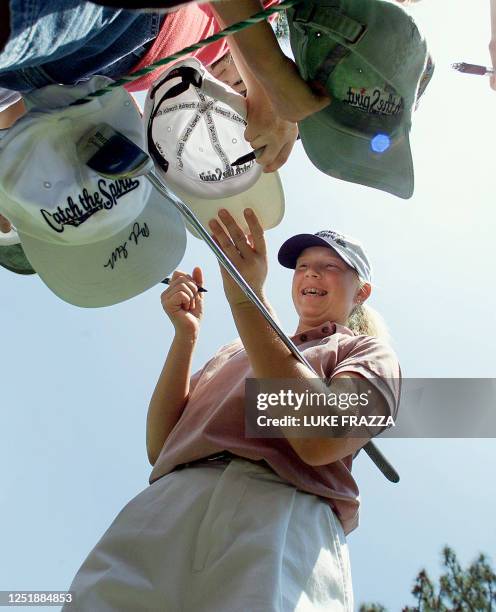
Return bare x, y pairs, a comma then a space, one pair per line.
226, 263
370, 448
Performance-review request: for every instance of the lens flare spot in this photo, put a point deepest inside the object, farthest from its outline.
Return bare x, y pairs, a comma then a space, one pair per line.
380, 143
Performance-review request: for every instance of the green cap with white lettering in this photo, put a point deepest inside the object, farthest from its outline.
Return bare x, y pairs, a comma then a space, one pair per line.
370, 58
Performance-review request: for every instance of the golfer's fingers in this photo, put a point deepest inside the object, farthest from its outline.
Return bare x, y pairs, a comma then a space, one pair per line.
183, 299
178, 280
256, 231
189, 287
179, 300
179, 277
197, 276
235, 232
224, 242
177, 274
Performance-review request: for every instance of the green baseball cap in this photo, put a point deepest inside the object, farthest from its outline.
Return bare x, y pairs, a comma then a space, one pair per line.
370, 57
12, 256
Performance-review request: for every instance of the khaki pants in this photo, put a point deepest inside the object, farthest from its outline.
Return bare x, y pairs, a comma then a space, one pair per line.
218, 537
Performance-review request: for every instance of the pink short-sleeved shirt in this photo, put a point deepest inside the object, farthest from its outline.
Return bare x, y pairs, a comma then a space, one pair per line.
213, 419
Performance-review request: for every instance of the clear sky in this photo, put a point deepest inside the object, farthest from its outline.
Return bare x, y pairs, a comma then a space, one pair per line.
75, 383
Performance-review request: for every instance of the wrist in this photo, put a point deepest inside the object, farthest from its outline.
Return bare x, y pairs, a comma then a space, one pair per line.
242, 301
185, 338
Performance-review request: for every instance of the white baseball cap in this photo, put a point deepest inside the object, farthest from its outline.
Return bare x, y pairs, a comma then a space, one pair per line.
93, 241
195, 129
348, 248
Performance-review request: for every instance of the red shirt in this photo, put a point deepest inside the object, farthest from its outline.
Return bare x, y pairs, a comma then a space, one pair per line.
182, 28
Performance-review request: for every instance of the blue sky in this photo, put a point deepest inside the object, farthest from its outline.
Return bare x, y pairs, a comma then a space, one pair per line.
76, 383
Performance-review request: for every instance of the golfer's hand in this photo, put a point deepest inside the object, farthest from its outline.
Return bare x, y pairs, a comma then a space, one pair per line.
5, 225
183, 303
248, 253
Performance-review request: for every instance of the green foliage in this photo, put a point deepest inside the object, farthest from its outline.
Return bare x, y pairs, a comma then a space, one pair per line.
459, 590
375, 607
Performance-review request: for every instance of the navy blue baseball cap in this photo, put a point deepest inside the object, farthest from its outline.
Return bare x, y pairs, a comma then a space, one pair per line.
349, 249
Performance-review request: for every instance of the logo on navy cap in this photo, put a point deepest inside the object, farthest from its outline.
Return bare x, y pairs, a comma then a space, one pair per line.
334, 236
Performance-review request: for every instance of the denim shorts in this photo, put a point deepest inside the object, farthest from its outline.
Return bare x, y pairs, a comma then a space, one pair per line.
67, 41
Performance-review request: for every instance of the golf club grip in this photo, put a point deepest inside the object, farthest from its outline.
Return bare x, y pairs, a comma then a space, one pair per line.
381, 462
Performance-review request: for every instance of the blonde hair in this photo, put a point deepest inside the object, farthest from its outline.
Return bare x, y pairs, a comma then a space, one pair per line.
365, 320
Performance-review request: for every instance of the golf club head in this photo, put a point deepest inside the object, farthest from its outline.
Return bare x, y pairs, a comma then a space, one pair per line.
111, 154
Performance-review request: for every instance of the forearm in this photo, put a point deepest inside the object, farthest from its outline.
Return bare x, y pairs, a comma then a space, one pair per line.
170, 395
268, 355
264, 67
255, 50
270, 358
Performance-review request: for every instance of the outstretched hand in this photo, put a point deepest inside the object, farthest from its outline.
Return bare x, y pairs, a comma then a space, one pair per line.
247, 252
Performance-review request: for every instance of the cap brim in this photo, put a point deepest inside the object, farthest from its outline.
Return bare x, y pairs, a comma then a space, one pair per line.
118, 268
14, 259
348, 156
292, 248
265, 197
